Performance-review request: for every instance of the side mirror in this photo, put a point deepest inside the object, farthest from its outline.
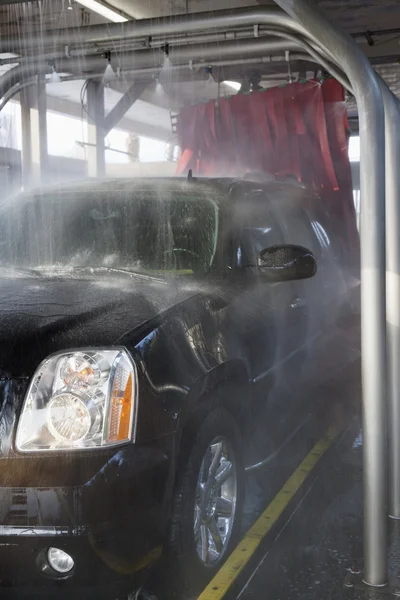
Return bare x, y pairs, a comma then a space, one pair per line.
285, 263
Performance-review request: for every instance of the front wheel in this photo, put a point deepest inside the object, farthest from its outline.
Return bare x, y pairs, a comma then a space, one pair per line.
208, 501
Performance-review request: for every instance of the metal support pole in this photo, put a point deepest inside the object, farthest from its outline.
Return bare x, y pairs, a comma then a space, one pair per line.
372, 234
96, 163
26, 153
34, 132
392, 141
40, 128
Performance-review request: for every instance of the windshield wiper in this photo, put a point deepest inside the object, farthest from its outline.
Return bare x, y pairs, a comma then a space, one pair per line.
113, 270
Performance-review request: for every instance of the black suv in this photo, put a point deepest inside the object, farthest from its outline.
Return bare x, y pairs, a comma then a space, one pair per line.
142, 323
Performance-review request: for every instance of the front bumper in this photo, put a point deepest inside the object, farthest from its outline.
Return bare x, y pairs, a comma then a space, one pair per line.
112, 523
98, 572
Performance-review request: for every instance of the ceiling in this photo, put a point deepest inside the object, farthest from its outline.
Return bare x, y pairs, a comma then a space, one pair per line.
353, 15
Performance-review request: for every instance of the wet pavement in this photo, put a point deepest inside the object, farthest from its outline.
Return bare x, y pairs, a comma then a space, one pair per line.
318, 539
315, 551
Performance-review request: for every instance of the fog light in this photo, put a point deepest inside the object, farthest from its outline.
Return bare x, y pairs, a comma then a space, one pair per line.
59, 560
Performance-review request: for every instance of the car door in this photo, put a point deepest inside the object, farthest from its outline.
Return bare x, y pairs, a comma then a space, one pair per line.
333, 341
305, 299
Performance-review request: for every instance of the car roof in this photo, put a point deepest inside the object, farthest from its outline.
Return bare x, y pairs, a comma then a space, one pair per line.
219, 187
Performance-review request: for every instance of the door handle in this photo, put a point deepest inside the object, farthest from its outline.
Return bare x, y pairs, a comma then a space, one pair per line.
297, 302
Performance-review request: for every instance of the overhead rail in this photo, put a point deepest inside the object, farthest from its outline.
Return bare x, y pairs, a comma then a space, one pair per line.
131, 62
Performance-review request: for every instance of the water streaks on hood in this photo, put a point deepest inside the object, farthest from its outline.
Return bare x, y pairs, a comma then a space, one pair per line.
43, 315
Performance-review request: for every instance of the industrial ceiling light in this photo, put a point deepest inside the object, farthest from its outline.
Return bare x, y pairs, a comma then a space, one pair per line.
109, 73
235, 85
70, 7
104, 10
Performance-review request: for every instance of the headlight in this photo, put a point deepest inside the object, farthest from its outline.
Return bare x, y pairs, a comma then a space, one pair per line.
79, 399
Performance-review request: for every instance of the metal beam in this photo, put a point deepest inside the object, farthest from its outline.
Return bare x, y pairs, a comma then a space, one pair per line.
26, 150
95, 151
119, 110
392, 140
40, 130
34, 132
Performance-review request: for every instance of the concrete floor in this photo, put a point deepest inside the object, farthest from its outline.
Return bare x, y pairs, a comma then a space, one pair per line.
318, 538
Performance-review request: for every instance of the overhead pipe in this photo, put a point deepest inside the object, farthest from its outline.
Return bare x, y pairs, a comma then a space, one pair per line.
143, 44
148, 28
134, 74
20, 74
131, 61
89, 65
133, 29
138, 44
145, 28
148, 61
318, 55
232, 49
256, 60
18, 87
163, 27
178, 55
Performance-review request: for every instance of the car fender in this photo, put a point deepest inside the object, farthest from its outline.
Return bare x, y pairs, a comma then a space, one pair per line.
218, 379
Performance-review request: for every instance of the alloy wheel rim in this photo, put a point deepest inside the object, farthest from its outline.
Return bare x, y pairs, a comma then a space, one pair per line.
215, 502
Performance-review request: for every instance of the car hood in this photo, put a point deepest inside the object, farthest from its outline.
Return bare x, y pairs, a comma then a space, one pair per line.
43, 314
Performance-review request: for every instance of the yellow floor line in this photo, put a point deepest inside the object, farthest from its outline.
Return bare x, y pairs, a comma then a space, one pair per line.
227, 574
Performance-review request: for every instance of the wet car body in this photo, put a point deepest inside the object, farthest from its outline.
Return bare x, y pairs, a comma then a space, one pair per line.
109, 508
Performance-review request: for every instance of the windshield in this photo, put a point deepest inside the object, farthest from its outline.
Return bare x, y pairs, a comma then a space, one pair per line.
141, 229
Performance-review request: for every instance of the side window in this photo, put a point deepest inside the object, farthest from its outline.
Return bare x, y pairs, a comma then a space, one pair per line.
298, 228
257, 228
302, 227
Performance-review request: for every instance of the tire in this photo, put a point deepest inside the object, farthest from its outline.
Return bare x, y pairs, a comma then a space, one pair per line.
197, 502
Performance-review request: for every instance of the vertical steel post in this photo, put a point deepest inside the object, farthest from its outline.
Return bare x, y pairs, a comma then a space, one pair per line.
26, 150
372, 236
41, 129
392, 142
96, 163
34, 132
